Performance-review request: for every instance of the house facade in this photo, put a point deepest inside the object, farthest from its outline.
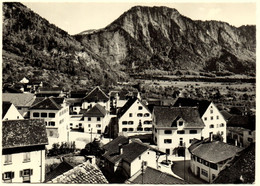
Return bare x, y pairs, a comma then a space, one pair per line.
10, 112
95, 120
55, 112
134, 118
242, 137
94, 97
174, 129
23, 151
209, 157
214, 122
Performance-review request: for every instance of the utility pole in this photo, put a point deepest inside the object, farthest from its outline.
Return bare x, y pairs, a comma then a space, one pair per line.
184, 159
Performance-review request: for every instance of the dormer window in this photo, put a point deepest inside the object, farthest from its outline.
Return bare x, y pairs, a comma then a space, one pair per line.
180, 123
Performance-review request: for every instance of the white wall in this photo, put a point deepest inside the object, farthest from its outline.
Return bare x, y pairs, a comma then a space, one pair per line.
93, 124
87, 105
37, 163
12, 114
212, 116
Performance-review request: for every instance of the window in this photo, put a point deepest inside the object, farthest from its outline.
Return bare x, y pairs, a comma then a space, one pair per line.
124, 129
249, 132
139, 129
147, 129
198, 160
146, 115
26, 172
99, 131
8, 175
211, 126
89, 118
51, 123
180, 123
222, 125
51, 133
211, 117
167, 132
51, 115
140, 108
221, 132
191, 140
250, 139
130, 122
98, 125
130, 115
211, 111
180, 132
217, 117
167, 141
193, 131
204, 172
8, 159
131, 129
213, 166
44, 115
89, 125
26, 157
46, 123
147, 122
17, 117
205, 118
124, 122
36, 114
155, 130
71, 124
98, 118
167, 151
139, 115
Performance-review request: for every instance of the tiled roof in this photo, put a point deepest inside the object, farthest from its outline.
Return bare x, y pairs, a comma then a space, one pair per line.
225, 114
96, 95
244, 166
188, 102
5, 107
237, 129
84, 173
214, 151
247, 122
50, 90
60, 169
24, 99
153, 176
167, 116
48, 104
21, 133
96, 111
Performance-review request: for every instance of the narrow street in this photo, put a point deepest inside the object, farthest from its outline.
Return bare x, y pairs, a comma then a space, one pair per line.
186, 174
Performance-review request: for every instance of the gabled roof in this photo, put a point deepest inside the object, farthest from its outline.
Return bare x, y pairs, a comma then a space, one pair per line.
18, 99
50, 90
60, 169
247, 122
244, 166
188, 102
154, 176
214, 151
96, 111
96, 95
48, 104
127, 105
22, 133
225, 114
5, 107
84, 173
167, 116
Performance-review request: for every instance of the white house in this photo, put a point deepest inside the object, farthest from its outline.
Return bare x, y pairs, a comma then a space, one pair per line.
95, 120
55, 112
209, 157
94, 97
134, 118
128, 156
174, 129
23, 151
214, 122
10, 112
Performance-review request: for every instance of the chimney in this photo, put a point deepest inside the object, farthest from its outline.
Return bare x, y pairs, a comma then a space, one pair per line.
236, 142
120, 147
179, 104
202, 138
210, 136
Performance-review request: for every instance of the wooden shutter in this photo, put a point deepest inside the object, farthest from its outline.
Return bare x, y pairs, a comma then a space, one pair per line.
31, 172
12, 175
3, 176
21, 173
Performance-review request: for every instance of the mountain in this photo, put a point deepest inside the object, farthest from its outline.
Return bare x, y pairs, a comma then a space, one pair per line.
33, 47
161, 38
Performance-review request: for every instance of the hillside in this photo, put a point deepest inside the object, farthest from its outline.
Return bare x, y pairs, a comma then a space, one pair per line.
161, 38
33, 47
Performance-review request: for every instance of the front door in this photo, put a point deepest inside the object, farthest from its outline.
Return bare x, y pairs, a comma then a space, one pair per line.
198, 171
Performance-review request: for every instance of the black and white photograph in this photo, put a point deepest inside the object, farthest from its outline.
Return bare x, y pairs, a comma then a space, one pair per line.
128, 92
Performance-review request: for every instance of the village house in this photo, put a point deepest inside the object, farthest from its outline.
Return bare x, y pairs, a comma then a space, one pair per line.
55, 112
95, 120
22, 101
94, 97
174, 129
10, 112
209, 157
134, 118
23, 151
127, 156
214, 122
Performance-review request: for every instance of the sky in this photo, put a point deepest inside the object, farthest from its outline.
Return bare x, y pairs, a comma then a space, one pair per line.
75, 17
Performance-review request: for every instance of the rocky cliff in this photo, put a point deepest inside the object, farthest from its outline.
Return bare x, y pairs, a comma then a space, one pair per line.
162, 38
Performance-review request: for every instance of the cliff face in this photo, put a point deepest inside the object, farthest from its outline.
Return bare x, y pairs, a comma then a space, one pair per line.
162, 38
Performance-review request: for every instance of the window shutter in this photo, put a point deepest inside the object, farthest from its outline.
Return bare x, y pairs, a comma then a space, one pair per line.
12, 175
21, 173
3, 176
31, 173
